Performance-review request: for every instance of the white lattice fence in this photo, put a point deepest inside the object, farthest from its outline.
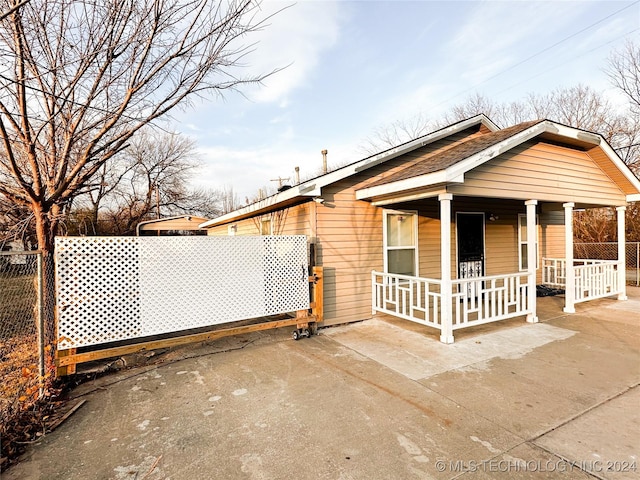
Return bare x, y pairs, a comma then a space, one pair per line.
120, 288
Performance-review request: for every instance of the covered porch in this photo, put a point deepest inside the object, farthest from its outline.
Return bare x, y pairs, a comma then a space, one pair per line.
483, 269
492, 219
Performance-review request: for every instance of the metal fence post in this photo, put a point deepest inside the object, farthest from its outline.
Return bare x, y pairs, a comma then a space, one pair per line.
40, 313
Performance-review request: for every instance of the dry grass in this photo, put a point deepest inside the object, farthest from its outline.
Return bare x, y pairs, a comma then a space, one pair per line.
17, 306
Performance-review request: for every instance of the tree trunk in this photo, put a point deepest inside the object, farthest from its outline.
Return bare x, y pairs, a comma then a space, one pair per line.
46, 229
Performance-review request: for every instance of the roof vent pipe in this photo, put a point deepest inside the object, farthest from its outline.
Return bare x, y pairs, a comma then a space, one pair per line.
297, 175
324, 160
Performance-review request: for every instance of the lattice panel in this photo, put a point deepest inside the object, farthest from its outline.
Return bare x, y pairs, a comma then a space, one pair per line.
179, 283
98, 290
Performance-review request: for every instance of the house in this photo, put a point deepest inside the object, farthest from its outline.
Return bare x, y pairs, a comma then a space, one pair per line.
180, 223
455, 228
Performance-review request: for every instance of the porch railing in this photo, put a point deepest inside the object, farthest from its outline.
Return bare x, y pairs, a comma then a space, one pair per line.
412, 298
475, 301
593, 278
489, 299
596, 279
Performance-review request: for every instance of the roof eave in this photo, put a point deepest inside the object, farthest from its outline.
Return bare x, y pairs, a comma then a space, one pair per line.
313, 187
428, 180
455, 173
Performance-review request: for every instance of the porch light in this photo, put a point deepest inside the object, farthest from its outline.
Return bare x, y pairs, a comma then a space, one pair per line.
493, 217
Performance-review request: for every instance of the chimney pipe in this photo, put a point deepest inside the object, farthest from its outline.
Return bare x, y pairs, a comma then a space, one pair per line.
324, 160
297, 175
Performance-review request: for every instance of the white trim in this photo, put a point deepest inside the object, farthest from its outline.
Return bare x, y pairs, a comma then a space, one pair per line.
446, 286
633, 198
385, 244
622, 253
409, 198
521, 242
532, 258
435, 178
570, 276
313, 187
266, 218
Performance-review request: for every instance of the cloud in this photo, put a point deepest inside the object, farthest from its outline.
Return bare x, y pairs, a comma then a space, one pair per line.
250, 169
294, 38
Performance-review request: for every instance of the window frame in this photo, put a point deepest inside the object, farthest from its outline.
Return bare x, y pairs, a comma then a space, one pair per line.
385, 241
522, 241
264, 219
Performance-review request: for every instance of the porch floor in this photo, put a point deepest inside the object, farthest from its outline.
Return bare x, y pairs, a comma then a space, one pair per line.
400, 344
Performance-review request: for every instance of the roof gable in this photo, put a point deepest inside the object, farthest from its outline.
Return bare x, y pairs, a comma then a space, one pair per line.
442, 160
450, 167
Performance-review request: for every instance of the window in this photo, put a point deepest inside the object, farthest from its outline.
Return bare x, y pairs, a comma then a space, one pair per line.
523, 244
400, 242
265, 226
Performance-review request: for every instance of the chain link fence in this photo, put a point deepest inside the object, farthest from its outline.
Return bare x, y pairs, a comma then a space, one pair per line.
609, 251
26, 353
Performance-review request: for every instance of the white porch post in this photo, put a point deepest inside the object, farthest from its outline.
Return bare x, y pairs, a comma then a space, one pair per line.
622, 255
532, 260
446, 314
570, 281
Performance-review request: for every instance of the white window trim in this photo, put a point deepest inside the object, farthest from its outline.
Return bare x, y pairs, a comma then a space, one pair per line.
524, 242
386, 247
266, 218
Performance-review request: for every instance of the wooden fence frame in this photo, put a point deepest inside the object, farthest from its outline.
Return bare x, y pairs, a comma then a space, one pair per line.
66, 360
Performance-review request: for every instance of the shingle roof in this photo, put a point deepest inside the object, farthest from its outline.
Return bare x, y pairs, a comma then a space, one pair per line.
443, 160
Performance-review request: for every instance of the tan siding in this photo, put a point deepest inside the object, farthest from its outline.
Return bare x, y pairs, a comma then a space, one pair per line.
552, 235
350, 247
295, 220
545, 172
611, 170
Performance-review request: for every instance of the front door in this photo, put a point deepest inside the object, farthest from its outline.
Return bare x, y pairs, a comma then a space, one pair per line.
470, 233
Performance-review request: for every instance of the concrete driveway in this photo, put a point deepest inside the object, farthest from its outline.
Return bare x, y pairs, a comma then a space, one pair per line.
381, 399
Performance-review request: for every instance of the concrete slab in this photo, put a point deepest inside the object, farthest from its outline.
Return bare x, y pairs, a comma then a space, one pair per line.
610, 452
511, 400
308, 409
409, 353
525, 461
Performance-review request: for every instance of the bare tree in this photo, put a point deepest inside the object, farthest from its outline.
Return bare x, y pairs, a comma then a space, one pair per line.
78, 79
396, 133
148, 180
624, 73
228, 199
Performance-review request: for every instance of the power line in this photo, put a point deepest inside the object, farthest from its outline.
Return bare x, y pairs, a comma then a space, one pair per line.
562, 64
544, 50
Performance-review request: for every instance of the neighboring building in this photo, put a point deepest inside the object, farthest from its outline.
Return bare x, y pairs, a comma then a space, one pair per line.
178, 225
383, 215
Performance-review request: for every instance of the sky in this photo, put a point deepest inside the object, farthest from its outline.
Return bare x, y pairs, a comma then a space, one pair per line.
354, 66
